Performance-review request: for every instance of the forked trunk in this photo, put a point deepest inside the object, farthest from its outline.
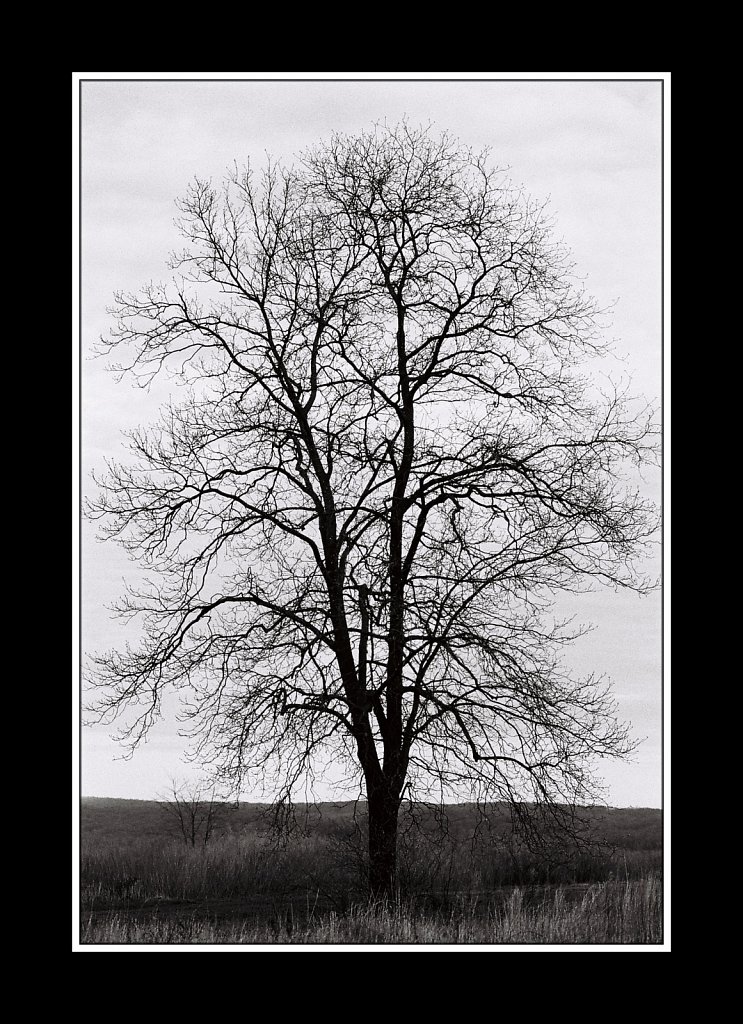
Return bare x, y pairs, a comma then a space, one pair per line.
383, 813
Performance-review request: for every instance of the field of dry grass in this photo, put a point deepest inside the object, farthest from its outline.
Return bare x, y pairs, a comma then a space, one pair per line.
610, 912
140, 885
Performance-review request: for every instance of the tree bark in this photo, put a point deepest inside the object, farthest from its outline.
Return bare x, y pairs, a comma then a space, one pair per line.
384, 806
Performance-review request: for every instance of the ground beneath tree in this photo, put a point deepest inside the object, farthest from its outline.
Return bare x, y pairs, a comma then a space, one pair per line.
300, 908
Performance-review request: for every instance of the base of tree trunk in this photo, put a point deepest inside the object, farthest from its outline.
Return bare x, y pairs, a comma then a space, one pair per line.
383, 815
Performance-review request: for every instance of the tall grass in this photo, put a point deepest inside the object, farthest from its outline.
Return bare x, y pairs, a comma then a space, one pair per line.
251, 866
245, 887
610, 912
231, 867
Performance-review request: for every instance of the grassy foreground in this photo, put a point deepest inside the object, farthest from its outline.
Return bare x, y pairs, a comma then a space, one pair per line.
627, 912
140, 884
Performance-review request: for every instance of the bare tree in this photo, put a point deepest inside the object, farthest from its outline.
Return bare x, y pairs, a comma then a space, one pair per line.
195, 810
391, 458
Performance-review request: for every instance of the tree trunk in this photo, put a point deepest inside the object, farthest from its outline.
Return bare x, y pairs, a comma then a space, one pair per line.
383, 811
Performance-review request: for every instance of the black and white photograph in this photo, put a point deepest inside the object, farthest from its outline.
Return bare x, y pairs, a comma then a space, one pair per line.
369, 514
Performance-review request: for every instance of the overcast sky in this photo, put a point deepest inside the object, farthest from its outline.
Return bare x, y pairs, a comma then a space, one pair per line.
593, 148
